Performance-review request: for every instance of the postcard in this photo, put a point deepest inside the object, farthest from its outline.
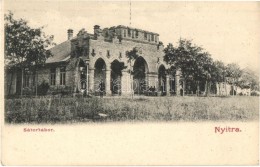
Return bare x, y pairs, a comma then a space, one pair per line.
130, 83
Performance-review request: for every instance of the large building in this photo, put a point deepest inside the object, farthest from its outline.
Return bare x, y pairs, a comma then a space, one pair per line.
97, 62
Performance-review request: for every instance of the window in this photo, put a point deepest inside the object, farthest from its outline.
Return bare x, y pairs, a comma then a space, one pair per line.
53, 76
93, 53
129, 32
145, 36
133, 34
155, 37
136, 34
108, 54
62, 75
152, 36
124, 33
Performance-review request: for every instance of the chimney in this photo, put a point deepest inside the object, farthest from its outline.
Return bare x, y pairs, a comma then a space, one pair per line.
96, 29
70, 34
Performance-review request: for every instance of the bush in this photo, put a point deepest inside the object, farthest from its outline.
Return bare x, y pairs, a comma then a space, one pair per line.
43, 88
27, 91
254, 93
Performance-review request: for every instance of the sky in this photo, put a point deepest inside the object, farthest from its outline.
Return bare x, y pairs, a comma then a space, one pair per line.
229, 31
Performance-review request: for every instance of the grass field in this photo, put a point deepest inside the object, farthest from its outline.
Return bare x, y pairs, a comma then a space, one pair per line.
69, 110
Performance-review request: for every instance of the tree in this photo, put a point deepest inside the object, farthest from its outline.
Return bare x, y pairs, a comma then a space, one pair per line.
185, 58
116, 74
203, 72
218, 72
117, 67
195, 63
25, 47
233, 74
249, 79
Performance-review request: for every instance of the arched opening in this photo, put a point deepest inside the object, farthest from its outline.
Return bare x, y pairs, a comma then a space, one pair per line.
162, 80
100, 76
140, 69
116, 74
181, 92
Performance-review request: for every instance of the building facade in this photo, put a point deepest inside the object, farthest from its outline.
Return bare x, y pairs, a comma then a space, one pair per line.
225, 89
93, 63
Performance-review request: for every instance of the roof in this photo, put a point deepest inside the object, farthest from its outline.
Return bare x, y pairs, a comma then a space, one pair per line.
60, 52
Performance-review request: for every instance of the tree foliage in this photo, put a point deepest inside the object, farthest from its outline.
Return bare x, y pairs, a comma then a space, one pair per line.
197, 65
233, 72
249, 79
218, 71
191, 59
117, 67
132, 54
25, 46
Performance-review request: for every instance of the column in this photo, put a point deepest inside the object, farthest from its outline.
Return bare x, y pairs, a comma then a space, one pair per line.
77, 80
126, 83
91, 81
87, 79
152, 79
108, 79
153, 82
177, 83
168, 93
57, 79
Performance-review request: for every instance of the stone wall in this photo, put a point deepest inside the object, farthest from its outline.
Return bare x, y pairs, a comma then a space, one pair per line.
117, 50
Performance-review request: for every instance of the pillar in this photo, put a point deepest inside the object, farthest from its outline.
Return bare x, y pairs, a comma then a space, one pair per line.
57, 79
77, 79
153, 81
177, 83
126, 83
168, 93
87, 79
217, 89
108, 79
91, 81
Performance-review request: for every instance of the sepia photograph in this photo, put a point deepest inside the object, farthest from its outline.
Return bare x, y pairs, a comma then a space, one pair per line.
134, 73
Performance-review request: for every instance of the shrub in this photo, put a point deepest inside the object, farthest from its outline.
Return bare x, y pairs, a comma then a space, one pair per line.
43, 88
254, 93
27, 91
